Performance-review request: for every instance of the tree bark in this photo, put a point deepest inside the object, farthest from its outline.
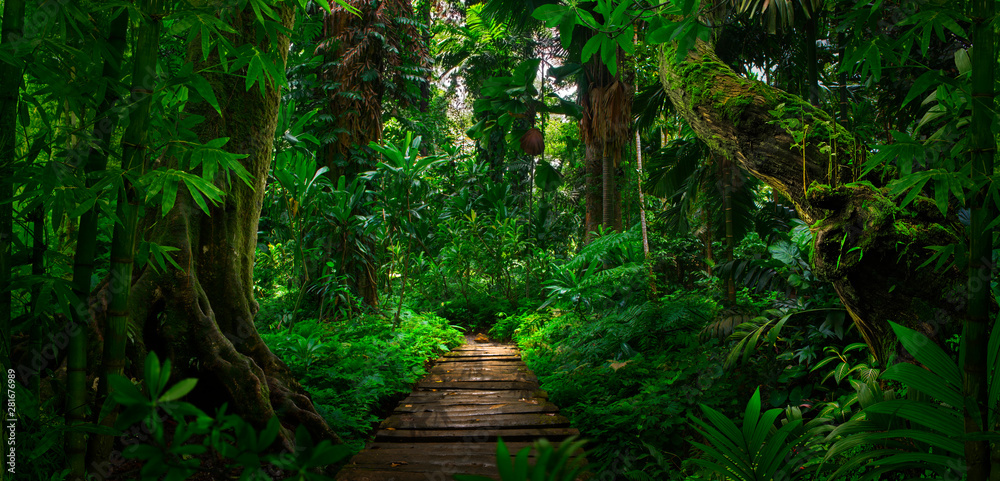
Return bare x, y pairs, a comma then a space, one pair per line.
201, 315
864, 245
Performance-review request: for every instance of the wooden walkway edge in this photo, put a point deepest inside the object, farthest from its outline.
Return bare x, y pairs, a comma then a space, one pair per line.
450, 423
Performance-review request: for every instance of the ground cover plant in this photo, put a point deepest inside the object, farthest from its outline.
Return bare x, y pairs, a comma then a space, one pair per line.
733, 239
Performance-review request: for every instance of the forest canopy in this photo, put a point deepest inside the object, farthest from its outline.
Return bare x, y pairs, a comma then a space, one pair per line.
737, 240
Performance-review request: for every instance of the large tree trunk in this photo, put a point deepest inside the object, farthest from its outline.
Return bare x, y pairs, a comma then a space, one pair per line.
863, 245
201, 315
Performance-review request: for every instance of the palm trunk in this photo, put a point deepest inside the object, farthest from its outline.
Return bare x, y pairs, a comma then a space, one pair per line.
727, 206
709, 254
592, 196
83, 259
812, 62
38, 248
977, 321
134, 150
10, 86
642, 214
607, 192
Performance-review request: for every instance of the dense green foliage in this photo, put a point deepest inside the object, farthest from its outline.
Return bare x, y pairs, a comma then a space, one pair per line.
304, 201
357, 371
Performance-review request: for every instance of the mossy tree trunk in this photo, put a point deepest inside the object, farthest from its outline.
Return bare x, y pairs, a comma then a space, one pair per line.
201, 315
864, 244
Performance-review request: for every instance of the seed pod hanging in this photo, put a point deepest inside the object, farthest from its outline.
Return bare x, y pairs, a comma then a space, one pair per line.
532, 142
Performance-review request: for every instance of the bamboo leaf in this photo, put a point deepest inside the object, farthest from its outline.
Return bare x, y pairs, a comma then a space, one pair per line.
205, 91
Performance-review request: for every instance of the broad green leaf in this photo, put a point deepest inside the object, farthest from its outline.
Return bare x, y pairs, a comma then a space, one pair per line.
503, 461
546, 177
929, 354
591, 47
152, 373
124, 391
178, 390
566, 27
963, 61
924, 381
551, 13
609, 54
921, 84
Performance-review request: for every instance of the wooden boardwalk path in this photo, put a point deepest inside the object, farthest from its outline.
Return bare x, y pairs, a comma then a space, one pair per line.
451, 421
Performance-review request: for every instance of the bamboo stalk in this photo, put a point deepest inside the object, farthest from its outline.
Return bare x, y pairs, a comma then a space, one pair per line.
10, 85
96, 161
134, 152
977, 322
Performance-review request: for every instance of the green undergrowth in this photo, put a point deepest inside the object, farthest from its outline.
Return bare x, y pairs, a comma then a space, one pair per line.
628, 377
355, 370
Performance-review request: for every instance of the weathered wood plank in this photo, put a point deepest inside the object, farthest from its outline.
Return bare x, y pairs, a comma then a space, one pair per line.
477, 385
472, 396
515, 407
451, 420
480, 376
359, 473
486, 434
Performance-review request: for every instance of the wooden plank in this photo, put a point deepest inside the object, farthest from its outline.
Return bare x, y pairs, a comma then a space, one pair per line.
456, 357
466, 348
479, 376
516, 397
423, 449
483, 356
478, 385
484, 466
425, 395
514, 407
489, 434
480, 365
451, 420
365, 473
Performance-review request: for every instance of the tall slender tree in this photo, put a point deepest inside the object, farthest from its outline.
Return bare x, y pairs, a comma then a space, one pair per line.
983, 150
144, 58
11, 77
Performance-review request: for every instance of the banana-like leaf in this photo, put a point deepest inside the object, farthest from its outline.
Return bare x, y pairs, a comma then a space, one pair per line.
758, 450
